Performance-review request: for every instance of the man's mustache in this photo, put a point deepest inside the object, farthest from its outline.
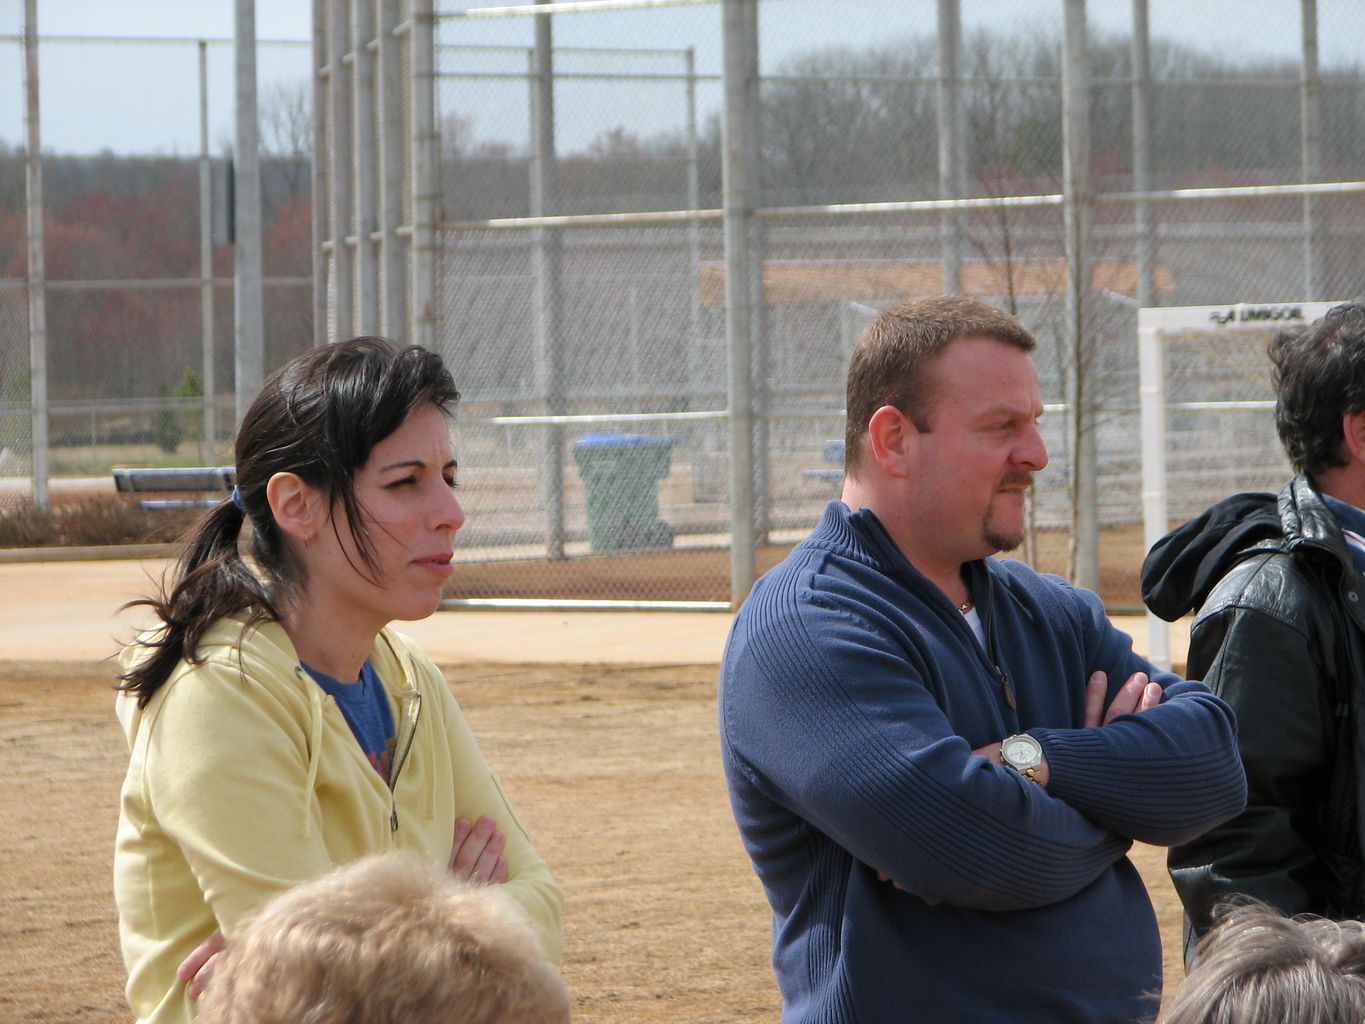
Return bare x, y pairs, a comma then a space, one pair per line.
1017, 478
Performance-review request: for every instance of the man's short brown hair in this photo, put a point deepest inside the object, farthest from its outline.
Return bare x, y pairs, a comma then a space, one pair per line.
386, 940
895, 349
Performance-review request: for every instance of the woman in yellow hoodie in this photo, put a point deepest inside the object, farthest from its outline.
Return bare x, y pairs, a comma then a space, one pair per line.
278, 725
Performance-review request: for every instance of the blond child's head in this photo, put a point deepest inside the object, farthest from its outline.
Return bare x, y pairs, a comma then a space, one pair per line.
1259, 967
386, 940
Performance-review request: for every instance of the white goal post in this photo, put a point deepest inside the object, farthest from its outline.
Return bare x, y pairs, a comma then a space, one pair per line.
1155, 326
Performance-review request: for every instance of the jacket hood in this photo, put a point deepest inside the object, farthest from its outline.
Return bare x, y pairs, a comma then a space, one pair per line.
263, 652
1185, 565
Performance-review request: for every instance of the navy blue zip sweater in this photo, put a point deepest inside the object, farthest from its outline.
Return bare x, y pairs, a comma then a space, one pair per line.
852, 695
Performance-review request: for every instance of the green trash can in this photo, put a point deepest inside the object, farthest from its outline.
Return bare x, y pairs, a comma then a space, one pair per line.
620, 474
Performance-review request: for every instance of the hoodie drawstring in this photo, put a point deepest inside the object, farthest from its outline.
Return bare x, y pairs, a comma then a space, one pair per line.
315, 698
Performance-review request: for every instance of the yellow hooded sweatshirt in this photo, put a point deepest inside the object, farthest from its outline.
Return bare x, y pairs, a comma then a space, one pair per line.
245, 779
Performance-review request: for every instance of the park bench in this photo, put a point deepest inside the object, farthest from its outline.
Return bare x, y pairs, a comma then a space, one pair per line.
210, 483
833, 452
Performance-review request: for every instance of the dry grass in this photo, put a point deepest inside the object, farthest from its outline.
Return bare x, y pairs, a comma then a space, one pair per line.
87, 522
704, 574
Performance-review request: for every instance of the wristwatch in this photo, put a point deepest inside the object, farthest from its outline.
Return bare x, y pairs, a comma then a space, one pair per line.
1022, 753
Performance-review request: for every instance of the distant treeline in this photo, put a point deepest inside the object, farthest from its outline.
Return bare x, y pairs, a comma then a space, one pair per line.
843, 125
838, 125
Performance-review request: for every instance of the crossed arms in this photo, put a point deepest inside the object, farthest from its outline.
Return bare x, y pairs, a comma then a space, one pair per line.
891, 750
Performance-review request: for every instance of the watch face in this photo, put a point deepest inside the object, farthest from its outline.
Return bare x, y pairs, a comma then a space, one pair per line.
1020, 750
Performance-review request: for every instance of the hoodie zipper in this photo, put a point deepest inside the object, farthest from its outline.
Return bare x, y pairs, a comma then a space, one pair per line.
1005, 685
412, 710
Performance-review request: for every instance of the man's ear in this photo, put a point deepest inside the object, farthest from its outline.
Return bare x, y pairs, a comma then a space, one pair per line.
295, 506
892, 440
1353, 431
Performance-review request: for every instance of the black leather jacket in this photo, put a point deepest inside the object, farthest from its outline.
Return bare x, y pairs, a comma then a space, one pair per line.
1280, 635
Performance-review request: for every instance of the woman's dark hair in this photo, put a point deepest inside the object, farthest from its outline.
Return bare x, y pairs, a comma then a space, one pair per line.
318, 416
1319, 377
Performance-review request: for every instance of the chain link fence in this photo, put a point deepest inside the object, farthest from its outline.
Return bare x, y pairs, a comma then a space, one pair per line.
582, 319
581, 279
138, 254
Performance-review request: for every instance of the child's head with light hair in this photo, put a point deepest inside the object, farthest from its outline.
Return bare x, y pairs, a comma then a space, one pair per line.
386, 940
1259, 967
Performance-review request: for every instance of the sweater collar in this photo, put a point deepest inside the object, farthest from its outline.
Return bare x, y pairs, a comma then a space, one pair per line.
861, 536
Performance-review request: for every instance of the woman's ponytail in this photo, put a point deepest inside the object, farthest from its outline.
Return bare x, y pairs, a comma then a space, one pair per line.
211, 581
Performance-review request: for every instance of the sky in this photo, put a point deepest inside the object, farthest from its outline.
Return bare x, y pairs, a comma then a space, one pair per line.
143, 97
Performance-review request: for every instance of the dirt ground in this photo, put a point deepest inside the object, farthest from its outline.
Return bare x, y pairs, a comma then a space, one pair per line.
614, 770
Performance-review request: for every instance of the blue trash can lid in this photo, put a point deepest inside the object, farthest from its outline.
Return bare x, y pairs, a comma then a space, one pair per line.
621, 440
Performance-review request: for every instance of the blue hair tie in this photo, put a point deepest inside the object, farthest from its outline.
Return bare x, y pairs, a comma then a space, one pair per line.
237, 498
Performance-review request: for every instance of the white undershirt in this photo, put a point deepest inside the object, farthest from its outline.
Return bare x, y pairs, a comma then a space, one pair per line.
973, 618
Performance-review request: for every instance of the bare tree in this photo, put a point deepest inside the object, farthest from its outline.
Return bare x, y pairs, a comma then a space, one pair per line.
286, 113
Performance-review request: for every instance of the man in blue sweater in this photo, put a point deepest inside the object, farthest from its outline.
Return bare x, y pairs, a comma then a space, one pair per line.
938, 760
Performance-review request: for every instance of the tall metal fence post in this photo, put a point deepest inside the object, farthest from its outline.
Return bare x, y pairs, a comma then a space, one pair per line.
364, 159
737, 212
952, 135
37, 278
209, 378
1077, 201
321, 175
393, 278
425, 188
1310, 105
1143, 224
758, 308
248, 304
1152, 430
545, 260
341, 171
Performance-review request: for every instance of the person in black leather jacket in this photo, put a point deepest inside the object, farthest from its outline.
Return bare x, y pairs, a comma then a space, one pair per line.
1280, 635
